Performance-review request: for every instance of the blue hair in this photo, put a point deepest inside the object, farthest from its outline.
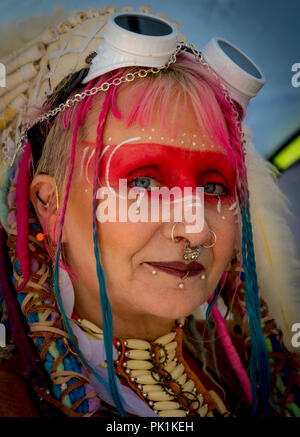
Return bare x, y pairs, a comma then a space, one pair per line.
259, 360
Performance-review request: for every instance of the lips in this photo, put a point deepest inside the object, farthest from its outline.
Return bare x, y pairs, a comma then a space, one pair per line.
178, 268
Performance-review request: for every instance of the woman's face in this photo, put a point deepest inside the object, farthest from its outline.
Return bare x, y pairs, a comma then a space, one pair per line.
148, 157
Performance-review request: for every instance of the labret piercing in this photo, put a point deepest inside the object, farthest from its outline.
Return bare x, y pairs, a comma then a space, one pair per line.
181, 284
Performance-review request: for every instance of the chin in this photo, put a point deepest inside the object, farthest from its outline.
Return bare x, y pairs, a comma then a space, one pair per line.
175, 304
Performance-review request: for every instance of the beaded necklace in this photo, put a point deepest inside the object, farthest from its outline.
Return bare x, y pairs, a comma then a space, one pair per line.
157, 372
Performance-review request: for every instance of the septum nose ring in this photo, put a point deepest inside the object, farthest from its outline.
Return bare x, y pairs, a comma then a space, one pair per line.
190, 253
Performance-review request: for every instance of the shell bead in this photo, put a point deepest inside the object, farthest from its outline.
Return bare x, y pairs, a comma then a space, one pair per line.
137, 344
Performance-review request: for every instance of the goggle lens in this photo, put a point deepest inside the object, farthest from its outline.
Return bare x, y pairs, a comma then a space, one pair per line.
143, 25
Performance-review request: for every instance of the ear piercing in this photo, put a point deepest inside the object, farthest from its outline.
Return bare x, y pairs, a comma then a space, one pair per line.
47, 204
41, 200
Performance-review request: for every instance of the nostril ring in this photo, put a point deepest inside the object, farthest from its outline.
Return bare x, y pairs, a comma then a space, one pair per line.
214, 240
177, 239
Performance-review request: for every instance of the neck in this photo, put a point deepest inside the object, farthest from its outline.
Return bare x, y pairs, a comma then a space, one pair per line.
144, 326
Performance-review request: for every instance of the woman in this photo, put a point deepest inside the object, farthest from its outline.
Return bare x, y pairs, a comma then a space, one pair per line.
139, 350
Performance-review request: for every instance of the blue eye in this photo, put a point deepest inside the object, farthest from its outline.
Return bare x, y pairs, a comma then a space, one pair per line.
215, 189
144, 182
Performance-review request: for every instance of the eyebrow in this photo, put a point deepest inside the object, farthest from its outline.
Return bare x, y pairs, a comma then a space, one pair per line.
88, 143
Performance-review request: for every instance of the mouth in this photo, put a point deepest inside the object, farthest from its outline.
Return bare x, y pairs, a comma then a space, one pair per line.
179, 269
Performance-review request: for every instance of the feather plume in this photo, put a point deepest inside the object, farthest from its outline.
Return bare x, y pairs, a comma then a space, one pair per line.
277, 267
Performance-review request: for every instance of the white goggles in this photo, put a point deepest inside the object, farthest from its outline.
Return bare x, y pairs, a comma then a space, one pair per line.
145, 40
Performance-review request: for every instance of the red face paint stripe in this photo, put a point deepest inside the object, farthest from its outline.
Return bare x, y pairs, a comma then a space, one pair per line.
171, 165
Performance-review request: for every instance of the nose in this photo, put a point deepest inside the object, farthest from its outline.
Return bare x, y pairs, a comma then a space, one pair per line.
178, 232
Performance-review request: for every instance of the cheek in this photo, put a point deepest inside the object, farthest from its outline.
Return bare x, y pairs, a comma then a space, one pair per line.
224, 225
123, 240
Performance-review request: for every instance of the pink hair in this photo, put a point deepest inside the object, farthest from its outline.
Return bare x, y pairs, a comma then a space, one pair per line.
231, 352
22, 196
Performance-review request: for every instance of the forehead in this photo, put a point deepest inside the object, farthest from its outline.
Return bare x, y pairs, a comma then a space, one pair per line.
167, 125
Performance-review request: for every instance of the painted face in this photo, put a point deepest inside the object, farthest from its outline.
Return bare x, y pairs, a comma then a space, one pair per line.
161, 162
148, 157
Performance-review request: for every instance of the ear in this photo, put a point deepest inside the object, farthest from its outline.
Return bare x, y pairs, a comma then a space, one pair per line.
43, 195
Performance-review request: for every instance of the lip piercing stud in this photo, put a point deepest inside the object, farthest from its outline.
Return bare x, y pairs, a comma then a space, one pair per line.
181, 284
202, 276
154, 272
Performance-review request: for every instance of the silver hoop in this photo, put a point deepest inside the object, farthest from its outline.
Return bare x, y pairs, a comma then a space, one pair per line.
213, 243
175, 240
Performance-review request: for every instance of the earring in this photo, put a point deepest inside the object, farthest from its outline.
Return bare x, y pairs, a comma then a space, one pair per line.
57, 197
41, 200
47, 204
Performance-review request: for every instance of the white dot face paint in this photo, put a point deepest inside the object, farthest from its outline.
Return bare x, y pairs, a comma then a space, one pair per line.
219, 205
162, 138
